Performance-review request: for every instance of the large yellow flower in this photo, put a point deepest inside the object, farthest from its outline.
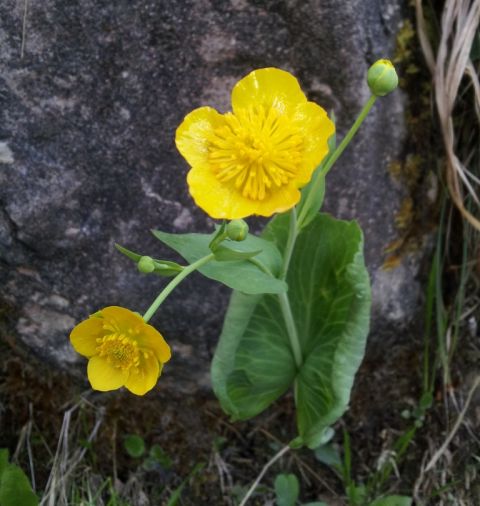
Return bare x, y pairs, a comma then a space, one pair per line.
122, 350
253, 160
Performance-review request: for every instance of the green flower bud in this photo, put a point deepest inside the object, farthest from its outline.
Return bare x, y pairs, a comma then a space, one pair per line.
237, 230
146, 265
382, 78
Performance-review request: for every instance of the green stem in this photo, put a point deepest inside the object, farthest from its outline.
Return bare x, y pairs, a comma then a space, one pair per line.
291, 328
283, 297
335, 155
292, 237
175, 281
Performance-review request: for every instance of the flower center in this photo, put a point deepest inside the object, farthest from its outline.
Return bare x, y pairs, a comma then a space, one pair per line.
120, 350
258, 150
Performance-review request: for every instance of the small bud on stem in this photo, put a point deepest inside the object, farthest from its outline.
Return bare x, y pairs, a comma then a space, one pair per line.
146, 265
382, 78
237, 230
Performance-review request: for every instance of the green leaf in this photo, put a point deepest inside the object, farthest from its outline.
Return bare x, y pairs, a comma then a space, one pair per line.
129, 254
287, 489
158, 454
357, 494
167, 268
329, 455
218, 237
135, 445
243, 275
392, 500
162, 267
313, 193
272, 363
177, 493
329, 294
225, 254
315, 196
426, 401
347, 458
15, 489
3, 461
316, 503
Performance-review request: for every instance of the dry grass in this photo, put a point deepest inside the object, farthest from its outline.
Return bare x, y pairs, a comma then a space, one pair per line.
68, 456
450, 467
449, 66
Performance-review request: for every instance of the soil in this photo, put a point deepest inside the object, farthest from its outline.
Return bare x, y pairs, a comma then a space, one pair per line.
193, 431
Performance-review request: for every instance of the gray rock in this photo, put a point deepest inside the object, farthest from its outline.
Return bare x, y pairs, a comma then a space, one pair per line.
89, 112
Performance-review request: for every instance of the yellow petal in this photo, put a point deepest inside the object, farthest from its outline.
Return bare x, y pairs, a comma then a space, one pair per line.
268, 87
222, 201
151, 339
145, 377
121, 316
316, 128
192, 137
83, 336
278, 201
103, 376
218, 200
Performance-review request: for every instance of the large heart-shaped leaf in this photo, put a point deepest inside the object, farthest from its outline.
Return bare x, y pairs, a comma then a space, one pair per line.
329, 295
253, 364
245, 274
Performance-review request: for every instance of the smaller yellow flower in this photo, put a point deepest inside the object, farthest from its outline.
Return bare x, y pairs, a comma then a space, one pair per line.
254, 159
122, 350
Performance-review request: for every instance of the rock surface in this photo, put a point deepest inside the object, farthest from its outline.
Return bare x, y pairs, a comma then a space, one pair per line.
92, 93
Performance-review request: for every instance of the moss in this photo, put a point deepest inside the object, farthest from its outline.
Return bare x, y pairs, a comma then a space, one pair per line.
418, 212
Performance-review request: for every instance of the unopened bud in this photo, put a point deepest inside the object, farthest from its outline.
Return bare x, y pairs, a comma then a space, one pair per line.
237, 230
146, 265
382, 78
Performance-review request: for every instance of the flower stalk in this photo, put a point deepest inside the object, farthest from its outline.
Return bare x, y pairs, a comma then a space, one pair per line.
283, 297
173, 284
296, 225
335, 155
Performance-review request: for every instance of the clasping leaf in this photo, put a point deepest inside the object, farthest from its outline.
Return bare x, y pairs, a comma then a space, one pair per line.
235, 265
329, 296
161, 267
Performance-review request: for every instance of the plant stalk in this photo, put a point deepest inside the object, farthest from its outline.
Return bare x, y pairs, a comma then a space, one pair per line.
335, 155
172, 285
291, 329
283, 297
292, 237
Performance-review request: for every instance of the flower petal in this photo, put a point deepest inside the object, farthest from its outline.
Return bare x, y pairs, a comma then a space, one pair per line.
218, 200
316, 128
120, 319
192, 137
225, 202
145, 377
279, 201
268, 87
151, 339
103, 376
84, 335
121, 316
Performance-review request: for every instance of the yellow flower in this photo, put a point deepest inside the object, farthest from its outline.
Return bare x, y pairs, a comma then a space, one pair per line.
122, 350
253, 160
